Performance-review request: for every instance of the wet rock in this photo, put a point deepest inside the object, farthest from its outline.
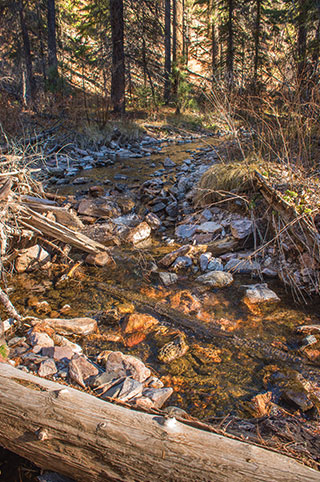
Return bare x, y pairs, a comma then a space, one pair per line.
119, 365
169, 258
293, 388
96, 191
260, 294
185, 231
242, 266
47, 368
172, 209
269, 273
215, 264
81, 370
99, 259
158, 396
73, 326
158, 207
169, 162
241, 228
182, 262
98, 208
167, 278
32, 258
153, 221
133, 322
204, 260
58, 353
139, 233
209, 227
216, 279
81, 180
173, 349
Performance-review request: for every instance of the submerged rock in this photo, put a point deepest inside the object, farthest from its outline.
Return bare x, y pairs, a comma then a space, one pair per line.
99, 259
216, 279
174, 349
134, 322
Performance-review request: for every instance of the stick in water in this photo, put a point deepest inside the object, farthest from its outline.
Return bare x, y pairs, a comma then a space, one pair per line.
10, 309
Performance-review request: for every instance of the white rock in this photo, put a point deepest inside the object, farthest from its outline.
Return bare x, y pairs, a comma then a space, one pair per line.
209, 227
32, 258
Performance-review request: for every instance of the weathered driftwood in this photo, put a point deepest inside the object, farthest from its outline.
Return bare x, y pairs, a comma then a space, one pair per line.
300, 227
40, 223
88, 439
61, 214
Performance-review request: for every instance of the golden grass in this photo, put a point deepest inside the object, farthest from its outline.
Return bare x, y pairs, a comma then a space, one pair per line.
224, 179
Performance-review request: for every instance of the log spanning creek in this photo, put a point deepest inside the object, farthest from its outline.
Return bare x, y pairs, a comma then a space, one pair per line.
222, 354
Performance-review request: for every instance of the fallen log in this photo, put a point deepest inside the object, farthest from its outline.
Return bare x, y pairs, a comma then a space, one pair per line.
83, 437
40, 223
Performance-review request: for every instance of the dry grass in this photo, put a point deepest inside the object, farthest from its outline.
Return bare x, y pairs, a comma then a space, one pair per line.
225, 179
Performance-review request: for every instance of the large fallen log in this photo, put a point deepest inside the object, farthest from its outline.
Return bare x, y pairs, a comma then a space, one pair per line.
88, 439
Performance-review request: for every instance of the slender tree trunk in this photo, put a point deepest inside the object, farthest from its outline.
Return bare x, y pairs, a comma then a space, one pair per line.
29, 89
42, 57
230, 46
52, 44
118, 63
167, 46
257, 44
214, 44
302, 40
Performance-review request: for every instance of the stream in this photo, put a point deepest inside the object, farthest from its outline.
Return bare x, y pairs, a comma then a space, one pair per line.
216, 376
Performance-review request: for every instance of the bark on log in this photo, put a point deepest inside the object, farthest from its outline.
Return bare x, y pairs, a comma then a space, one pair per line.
83, 437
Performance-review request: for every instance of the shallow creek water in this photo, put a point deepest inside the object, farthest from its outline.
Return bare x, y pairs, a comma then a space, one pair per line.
215, 376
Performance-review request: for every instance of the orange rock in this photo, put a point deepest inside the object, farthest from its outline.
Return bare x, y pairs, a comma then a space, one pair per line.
184, 301
153, 293
134, 339
228, 325
134, 322
204, 316
313, 354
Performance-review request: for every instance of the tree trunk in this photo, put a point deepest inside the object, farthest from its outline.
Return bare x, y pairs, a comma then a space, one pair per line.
214, 45
302, 40
118, 63
256, 44
29, 89
52, 44
230, 46
91, 440
167, 47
